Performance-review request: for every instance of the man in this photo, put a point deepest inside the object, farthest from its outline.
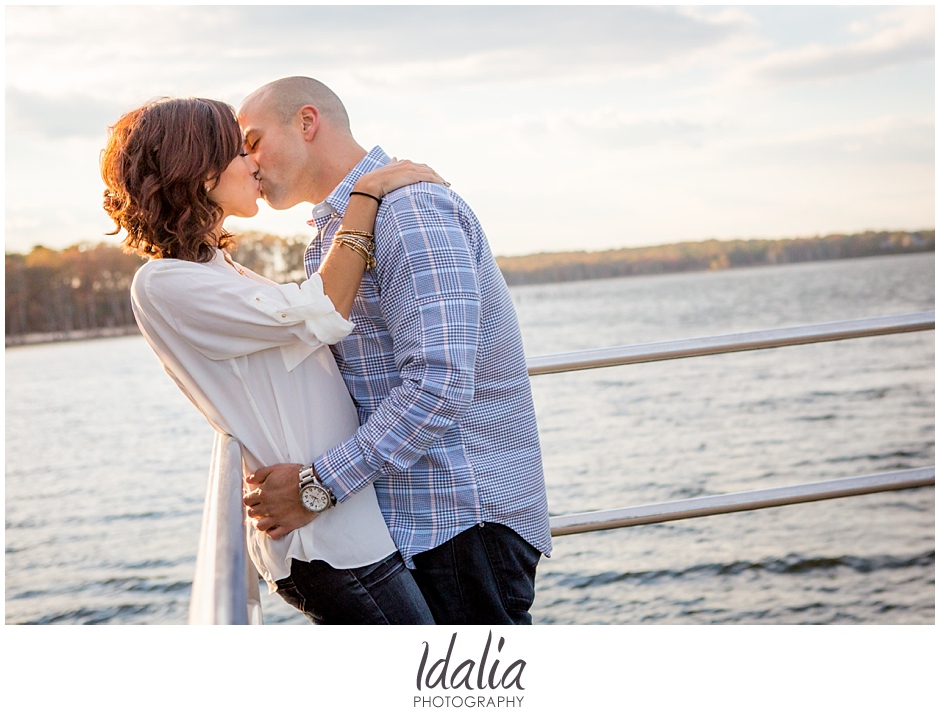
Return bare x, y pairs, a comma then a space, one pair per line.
435, 365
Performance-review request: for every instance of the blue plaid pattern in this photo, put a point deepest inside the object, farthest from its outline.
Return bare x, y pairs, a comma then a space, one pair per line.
437, 371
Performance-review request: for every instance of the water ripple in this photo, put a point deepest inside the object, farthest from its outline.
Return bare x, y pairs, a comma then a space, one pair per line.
792, 564
97, 616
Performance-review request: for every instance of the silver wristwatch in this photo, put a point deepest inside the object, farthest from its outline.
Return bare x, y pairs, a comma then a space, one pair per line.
314, 496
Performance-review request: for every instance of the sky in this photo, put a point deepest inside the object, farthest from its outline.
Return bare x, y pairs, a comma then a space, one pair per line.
565, 128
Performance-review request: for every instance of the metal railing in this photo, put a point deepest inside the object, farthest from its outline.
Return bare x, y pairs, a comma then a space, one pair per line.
225, 589
225, 583
738, 342
737, 502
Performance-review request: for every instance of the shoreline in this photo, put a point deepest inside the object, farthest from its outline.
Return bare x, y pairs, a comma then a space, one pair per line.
710, 255
13, 341
120, 331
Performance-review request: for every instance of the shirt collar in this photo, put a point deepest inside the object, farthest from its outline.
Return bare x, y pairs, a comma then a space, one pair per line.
337, 201
219, 259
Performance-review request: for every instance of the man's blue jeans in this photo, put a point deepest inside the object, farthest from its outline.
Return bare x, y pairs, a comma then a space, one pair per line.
484, 575
380, 593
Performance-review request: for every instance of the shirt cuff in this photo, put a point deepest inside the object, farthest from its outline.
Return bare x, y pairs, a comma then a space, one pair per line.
306, 304
309, 306
343, 469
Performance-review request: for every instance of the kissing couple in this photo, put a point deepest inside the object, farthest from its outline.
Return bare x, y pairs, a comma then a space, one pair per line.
394, 477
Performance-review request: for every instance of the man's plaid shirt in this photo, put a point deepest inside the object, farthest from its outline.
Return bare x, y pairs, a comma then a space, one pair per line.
436, 368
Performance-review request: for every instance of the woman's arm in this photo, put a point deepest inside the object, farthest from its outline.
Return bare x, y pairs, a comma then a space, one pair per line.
223, 315
342, 269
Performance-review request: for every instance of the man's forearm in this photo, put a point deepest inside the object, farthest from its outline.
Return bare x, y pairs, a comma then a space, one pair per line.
408, 422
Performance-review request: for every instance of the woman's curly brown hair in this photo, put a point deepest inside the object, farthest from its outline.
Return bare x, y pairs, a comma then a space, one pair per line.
156, 165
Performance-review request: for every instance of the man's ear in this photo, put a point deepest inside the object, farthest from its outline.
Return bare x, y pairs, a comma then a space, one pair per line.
309, 121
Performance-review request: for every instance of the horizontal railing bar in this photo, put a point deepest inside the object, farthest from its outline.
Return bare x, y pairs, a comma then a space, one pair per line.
736, 502
225, 583
736, 342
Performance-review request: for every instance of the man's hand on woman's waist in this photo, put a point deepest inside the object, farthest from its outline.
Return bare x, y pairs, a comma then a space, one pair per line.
274, 500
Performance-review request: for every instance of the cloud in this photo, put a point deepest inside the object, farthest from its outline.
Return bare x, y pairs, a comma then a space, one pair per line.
93, 66
544, 93
893, 38
60, 117
608, 129
505, 45
888, 140
440, 33
394, 46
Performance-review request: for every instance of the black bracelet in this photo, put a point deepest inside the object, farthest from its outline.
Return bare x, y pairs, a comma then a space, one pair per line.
366, 194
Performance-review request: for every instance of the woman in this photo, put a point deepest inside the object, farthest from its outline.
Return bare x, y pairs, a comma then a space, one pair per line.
247, 352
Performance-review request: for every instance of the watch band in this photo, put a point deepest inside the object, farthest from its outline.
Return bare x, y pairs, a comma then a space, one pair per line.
309, 475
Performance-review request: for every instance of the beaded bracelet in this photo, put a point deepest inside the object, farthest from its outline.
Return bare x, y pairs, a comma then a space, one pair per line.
364, 242
362, 246
358, 247
354, 233
366, 256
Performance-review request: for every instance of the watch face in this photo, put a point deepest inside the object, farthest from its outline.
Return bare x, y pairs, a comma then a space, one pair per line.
314, 499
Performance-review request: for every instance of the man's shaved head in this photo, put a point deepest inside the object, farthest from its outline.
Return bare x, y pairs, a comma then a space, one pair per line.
297, 131
285, 97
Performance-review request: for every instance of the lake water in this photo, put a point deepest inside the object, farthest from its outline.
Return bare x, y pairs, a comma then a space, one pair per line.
106, 462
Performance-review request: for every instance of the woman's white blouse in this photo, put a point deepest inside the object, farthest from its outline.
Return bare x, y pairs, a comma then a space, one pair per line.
249, 354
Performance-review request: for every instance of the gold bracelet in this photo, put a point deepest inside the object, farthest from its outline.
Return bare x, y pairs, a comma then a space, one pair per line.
366, 244
359, 249
354, 233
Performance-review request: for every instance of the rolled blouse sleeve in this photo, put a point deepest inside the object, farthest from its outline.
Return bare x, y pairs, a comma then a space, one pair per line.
225, 316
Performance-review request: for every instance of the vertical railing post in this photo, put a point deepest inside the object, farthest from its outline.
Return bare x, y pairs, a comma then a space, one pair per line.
225, 583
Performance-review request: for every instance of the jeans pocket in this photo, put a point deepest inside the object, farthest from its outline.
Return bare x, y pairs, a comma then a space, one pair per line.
514, 562
379, 572
287, 590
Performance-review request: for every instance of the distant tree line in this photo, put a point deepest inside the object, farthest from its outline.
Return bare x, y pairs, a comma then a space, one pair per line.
77, 289
702, 256
84, 289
